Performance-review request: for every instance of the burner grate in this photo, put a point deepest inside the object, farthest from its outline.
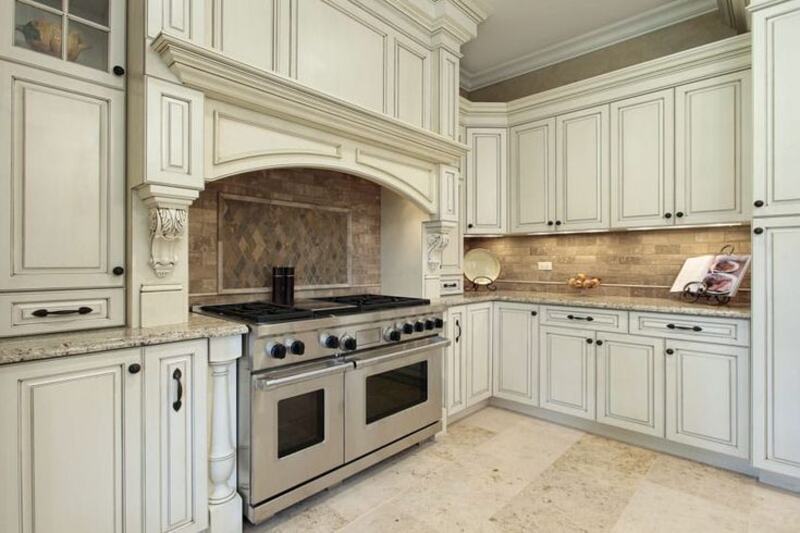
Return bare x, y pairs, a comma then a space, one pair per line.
259, 312
374, 302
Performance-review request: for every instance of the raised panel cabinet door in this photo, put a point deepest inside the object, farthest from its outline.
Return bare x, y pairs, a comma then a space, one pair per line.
175, 437
532, 195
62, 188
70, 448
516, 347
455, 362
245, 30
95, 46
342, 51
776, 78
630, 382
567, 371
713, 147
643, 161
582, 151
479, 352
486, 180
707, 396
776, 365
412, 83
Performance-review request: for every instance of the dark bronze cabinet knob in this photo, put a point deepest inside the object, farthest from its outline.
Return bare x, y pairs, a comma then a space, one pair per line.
758, 231
134, 368
667, 215
599, 343
679, 214
118, 271
759, 203
589, 341
118, 70
670, 351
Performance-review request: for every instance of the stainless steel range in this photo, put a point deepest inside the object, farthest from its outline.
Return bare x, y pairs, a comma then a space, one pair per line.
330, 387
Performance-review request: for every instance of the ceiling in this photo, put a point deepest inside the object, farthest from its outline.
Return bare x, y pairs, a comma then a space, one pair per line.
522, 35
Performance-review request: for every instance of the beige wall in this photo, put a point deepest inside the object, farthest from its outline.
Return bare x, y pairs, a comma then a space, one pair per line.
682, 36
636, 263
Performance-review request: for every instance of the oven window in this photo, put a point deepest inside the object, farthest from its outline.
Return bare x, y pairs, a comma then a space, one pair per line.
396, 390
301, 422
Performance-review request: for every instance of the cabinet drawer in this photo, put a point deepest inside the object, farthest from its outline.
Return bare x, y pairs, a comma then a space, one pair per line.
687, 327
584, 317
50, 312
452, 286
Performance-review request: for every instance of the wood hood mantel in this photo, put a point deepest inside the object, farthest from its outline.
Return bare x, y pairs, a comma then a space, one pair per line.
299, 125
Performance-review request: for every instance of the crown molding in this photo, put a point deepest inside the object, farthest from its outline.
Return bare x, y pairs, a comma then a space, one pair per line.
661, 17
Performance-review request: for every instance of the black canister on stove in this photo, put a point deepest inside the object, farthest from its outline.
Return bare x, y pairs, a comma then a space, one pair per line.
283, 285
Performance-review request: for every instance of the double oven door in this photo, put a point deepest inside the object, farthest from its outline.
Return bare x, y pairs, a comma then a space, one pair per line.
391, 393
309, 419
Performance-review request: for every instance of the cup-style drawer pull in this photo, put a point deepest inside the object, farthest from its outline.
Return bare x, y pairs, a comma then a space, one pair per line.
41, 313
586, 318
685, 328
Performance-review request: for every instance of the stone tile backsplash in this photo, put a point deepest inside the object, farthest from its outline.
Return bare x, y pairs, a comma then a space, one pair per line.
325, 223
630, 263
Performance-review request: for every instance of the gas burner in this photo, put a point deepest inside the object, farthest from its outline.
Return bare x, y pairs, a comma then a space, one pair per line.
360, 303
259, 312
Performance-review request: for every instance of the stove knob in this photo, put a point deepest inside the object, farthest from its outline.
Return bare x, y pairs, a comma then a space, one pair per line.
349, 343
419, 325
296, 347
278, 351
429, 324
439, 323
392, 334
408, 328
330, 341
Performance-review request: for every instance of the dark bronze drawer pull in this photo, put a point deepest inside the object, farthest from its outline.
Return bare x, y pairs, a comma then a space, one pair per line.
79, 311
685, 328
450, 285
586, 318
177, 375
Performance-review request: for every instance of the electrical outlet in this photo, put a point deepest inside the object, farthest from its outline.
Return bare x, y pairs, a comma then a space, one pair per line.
545, 265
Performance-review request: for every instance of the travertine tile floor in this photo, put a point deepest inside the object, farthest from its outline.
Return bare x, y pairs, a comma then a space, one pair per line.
498, 471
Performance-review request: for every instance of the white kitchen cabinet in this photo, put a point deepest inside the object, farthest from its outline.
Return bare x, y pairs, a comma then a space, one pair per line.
455, 371
713, 147
707, 396
479, 352
94, 49
776, 40
532, 194
776, 365
71, 445
582, 172
451, 268
567, 371
175, 437
630, 382
62, 203
487, 181
516, 348
642, 161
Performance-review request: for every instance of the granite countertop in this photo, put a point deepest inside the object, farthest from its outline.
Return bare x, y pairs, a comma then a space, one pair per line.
623, 303
37, 347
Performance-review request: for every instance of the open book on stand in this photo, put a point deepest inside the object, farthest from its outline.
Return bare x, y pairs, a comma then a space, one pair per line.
718, 275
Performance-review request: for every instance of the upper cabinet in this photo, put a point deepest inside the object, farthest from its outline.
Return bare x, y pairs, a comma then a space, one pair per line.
582, 169
94, 48
713, 165
532, 196
487, 185
62, 202
642, 161
776, 39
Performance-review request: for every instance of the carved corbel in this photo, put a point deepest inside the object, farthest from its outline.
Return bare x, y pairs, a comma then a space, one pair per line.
436, 240
168, 214
167, 227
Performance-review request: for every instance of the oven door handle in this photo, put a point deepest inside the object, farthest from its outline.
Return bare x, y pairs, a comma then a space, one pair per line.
412, 348
269, 382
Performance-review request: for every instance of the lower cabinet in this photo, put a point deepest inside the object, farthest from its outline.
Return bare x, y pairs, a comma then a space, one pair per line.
567, 371
516, 348
106, 442
175, 437
707, 398
71, 444
479, 352
468, 359
630, 382
455, 369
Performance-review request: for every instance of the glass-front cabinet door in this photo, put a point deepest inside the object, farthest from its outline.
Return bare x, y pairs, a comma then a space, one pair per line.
83, 37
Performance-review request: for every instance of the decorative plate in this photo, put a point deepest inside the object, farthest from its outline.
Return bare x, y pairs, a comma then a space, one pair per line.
481, 266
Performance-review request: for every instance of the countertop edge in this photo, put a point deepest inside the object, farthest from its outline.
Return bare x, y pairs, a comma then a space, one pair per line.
94, 342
